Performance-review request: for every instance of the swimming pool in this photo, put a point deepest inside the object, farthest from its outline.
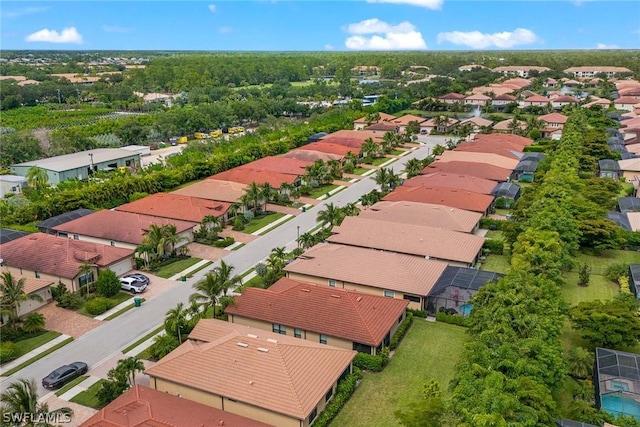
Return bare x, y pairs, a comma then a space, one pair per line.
617, 404
465, 309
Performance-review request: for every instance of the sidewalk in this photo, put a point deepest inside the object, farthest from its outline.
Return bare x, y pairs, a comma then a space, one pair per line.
271, 225
79, 388
332, 192
33, 353
115, 309
186, 271
142, 346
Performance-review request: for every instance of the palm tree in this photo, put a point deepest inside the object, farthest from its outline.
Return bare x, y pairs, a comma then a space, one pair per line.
37, 177
234, 209
176, 320
267, 193
580, 362
212, 223
350, 209
332, 215
386, 178
334, 169
253, 193
131, 366
33, 322
306, 240
171, 237
225, 274
413, 167
216, 283
369, 148
21, 397
352, 158
13, 295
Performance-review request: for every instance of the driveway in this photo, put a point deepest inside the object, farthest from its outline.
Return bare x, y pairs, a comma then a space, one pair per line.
211, 253
67, 321
80, 413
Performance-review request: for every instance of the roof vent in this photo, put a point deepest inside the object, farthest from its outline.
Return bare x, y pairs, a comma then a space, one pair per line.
250, 382
305, 290
243, 344
272, 340
252, 336
335, 296
359, 299
264, 350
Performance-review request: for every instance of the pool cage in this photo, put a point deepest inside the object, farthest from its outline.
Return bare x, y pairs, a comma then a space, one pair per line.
617, 382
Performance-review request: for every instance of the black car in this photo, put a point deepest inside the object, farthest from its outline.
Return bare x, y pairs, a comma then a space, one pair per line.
64, 374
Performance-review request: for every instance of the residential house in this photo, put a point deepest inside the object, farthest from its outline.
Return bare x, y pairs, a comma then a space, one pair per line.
368, 271
509, 126
445, 196
569, 83
449, 180
478, 123
214, 189
560, 102
494, 90
603, 102
513, 141
365, 121
121, 229
271, 378
616, 379
143, 406
403, 121
345, 134
326, 147
470, 67
365, 70
335, 316
177, 207
630, 169
626, 103
11, 184
519, 70
477, 99
247, 175
7, 235
554, 123
608, 168
382, 128
311, 156
449, 246
535, 101
550, 82
489, 158
280, 164
432, 215
592, 71
440, 124
32, 286
54, 259
481, 170
496, 147
452, 98
48, 224
500, 101
634, 220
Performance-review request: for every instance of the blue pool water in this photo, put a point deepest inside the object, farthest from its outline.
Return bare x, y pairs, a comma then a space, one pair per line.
616, 404
465, 309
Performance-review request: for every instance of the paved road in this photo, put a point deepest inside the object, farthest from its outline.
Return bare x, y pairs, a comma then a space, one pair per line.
107, 340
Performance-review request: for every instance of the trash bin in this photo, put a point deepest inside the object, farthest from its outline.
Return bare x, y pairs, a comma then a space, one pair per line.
183, 278
328, 195
304, 209
137, 302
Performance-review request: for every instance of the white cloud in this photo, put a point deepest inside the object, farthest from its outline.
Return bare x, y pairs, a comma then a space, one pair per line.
478, 40
429, 4
225, 30
403, 36
68, 35
23, 12
115, 29
607, 46
328, 47
212, 8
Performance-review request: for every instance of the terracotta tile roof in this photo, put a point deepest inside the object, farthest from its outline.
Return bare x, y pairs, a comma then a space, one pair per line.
141, 406
382, 127
500, 148
360, 135
445, 245
634, 220
630, 123
504, 125
283, 374
477, 121
353, 144
119, 226
431, 215
383, 117
176, 206
452, 180
566, 98
311, 156
597, 69
370, 267
451, 197
280, 164
449, 122
554, 118
495, 90
58, 256
625, 100
510, 140
247, 175
31, 284
350, 315
505, 97
481, 170
478, 97
452, 95
489, 158
404, 120
213, 189
327, 147
537, 98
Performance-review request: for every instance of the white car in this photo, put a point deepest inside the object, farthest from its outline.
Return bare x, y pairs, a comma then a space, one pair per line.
132, 285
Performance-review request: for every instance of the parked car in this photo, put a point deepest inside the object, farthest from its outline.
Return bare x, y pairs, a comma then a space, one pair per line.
139, 277
132, 285
64, 374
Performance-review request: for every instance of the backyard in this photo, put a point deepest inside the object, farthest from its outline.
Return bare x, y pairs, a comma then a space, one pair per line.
428, 351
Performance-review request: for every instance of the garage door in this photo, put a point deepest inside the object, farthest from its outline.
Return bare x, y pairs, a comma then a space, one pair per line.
122, 267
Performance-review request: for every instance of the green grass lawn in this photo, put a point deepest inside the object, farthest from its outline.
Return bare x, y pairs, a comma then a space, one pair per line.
89, 397
261, 221
380, 160
176, 267
428, 351
71, 385
599, 288
503, 211
360, 171
118, 298
38, 357
322, 190
494, 234
600, 262
397, 152
35, 341
496, 263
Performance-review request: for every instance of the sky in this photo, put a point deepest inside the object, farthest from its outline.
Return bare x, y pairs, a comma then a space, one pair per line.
328, 25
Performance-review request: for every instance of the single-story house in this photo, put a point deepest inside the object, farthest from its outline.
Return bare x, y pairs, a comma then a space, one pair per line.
246, 175
268, 377
433, 215
11, 184
32, 286
383, 127
365, 121
455, 288
603, 102
7, 235
535, 101
47, 226
562, 101
508, 125
143, 406
514, 141
452, 98
616, 378
442, 125
55, 259
630, 169
369, 271
477, 99
213, 189
280, 164
348, 135
403, 121
348, 319
311, 156
326, 147
488, 158
501, 148
121, 229
445, 196
478, 123
550, 82
176, 206
608, 168
481, 170
449, 180
449, 246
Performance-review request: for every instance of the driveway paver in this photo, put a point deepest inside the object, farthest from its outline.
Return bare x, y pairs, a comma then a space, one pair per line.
67, 321
199, 250
80, 413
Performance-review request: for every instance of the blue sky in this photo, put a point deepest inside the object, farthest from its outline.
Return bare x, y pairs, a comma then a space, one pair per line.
353, 25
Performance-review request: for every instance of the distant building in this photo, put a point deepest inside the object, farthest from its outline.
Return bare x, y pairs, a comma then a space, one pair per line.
519, 70
592, 71
11, 184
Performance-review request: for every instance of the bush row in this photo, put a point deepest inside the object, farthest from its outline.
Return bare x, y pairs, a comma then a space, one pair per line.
370, 362
345, 389
417, 313
453, 319
494, 246
401, 332
8, 351
98, 305
491, 224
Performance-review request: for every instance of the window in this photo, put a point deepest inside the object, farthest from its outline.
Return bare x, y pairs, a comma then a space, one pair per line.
85, 279
113, 243
63, 235
75, 237
401, 318
323, 339
389, 294
37, 274
328, 395
279, 329
297, 333
411, 298
313, 415
332, 283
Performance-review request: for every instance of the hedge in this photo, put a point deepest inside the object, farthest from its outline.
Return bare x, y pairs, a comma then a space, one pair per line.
401, 332
345, 389
495, 246
8, 351
223, 243
417, 313
453, 319
490, 223
369, 362
98, 305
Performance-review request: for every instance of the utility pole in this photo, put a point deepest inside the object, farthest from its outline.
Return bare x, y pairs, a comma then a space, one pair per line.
298, 239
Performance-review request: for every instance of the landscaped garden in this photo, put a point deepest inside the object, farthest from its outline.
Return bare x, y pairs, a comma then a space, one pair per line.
26, 342
322, 190
113, 301
261, 220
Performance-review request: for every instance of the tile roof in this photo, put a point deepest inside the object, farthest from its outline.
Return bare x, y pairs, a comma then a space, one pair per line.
431, 215
279, 373
353, 144
495, 90
280, 164
58, 256
176, 206
452, 95
489, 158
537, 98
346, 314
407, 239
451, 197
513, 141
369, 267
626, 100
383, 117
213, 189
505, 97
31, 284
501, 148
632, 165
360, 135
450, 121
247, 175
142, 406
481, 170
554, 118
383, 126
477, 121
478, 97
311, 156
451, 180
327, 147
119, 226
404, 120
566, 98
519, 81
634, 220
505, 125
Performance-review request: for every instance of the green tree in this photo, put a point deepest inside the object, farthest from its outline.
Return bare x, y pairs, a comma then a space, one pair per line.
107, 284
132, 132
580, 362
130, 367
584, 274
37, 178
215, 284
306, 240
33, 322
330, 216
369, 148
176, 321
163, 345
428, 412
21, 397
413, 167
13, 295
412, 128
18, 147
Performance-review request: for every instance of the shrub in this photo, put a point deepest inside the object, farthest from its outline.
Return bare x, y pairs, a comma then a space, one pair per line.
107, 284
137, 196
503, 203
535, 149
238, 224
33, 322
492, 224
345, 389
8, 351
223, 243
367, 160
248, 215
71, 300
369, 362
417, 313
7, 333
162, 345
494, 246
98, 305
401, 332
616, 270
348, 168
453, 319
623, 281
58, 291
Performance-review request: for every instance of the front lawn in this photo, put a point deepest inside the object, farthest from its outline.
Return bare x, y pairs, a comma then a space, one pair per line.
118, 298
176, 267
89, 397
380, 160
496, 263
322, 190
494, 234
33, 341
360, 171
71, 385
261, 221
428, 351
398, 152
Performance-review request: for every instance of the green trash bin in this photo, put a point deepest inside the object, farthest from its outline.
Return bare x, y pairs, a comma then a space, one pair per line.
137, 302
304, 209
